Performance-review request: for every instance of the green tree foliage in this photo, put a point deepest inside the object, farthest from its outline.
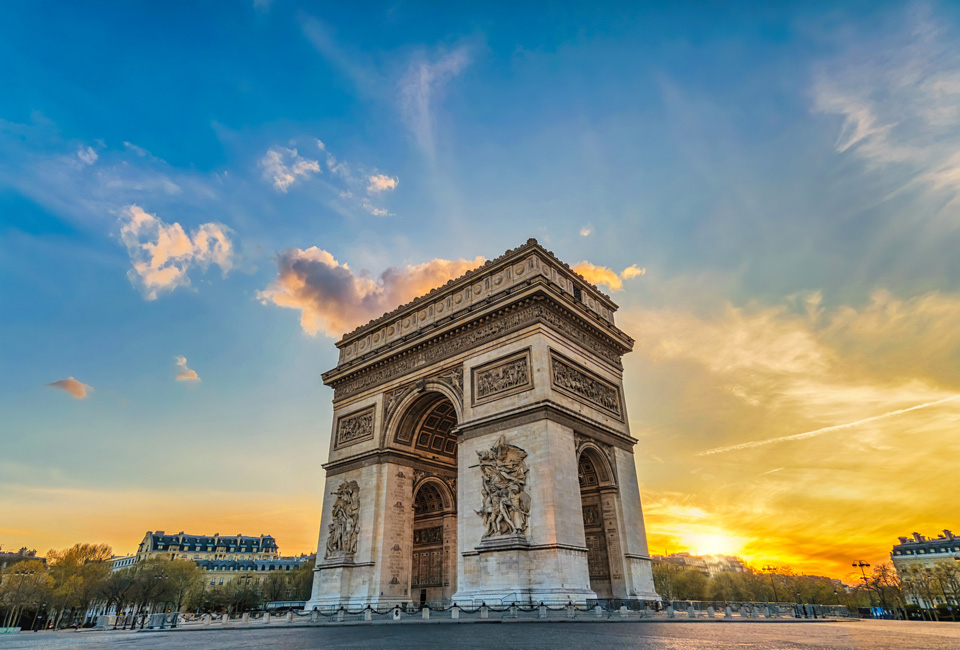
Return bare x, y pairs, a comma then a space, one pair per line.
78, 574
675, 582
301, 581
24, 586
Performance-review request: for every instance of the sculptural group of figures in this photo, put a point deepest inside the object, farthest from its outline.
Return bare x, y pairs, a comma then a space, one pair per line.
506, 504
342, 539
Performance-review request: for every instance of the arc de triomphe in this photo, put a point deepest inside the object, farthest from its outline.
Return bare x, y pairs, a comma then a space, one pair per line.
481, 449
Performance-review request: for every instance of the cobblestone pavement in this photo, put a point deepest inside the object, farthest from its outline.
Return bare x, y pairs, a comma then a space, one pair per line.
873, 635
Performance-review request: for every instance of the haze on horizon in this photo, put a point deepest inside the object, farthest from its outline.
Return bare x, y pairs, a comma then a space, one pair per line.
196, 203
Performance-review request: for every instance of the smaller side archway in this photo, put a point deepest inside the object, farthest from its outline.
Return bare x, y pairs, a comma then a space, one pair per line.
433, 570
600, 505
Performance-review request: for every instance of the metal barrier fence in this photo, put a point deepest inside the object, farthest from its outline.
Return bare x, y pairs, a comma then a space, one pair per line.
556, 610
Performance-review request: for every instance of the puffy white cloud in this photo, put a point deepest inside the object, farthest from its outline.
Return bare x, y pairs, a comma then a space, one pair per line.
163, 254
333, 299
183, 372
283, 166
586, 231
381, 183
87, 155
77, 389
605, 276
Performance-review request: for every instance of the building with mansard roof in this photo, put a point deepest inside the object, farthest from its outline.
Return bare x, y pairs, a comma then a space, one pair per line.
183, 546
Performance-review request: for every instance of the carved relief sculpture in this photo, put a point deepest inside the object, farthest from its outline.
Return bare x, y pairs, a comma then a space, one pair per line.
454, 379
342, 539
355, 428
506, 504
502, 377
586, 387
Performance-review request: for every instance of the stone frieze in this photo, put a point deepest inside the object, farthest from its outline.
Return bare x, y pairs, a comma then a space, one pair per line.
471, 336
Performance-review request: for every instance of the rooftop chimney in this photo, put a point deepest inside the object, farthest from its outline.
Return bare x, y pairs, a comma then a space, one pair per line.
917, 537
948, 534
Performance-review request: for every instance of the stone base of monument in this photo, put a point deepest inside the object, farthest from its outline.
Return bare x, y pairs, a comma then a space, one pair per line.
503, 543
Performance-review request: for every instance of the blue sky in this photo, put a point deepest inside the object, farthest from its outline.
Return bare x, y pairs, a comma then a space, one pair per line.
785, 175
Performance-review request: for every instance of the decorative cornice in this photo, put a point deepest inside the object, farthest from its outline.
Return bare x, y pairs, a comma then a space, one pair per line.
539, 308
531, 244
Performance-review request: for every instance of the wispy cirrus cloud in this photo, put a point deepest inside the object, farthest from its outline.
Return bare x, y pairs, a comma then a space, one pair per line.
743, 408
601, 275
87, 155
333, 299
899, 96
185, 373
77, 389
422, 88
163, 254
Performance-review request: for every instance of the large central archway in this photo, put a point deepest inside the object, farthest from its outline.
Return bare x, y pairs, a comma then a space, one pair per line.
429, 427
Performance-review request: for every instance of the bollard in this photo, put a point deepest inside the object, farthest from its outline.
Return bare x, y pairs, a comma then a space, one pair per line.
206, 619
290, 616
340, 614
542, 611
691, 612
455, 612
670, 612
571, 612
484, 612
266, 618
314, 616
766, 611
396, 613
246, 618
711, 612
728, 612
513, 610
623, 611
226, 619
368, 614
598, 611
425, 613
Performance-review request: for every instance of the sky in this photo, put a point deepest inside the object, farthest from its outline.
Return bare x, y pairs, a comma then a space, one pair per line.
198, 199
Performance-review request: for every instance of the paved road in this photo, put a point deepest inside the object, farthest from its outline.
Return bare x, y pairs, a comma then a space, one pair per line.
872, 635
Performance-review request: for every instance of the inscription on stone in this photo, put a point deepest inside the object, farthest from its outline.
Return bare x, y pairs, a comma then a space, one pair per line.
397, 560
502, 377
355, 428
584, 386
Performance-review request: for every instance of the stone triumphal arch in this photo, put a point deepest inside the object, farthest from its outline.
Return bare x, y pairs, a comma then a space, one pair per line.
481, 450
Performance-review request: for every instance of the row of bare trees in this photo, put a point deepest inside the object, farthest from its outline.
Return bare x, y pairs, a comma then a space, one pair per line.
924, 587
674, 582
80, 580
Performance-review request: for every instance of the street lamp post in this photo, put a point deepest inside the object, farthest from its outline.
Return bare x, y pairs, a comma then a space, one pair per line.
772, 569
866, 582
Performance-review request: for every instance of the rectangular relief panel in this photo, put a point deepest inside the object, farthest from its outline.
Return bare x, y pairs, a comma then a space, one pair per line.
355, 427
505, 376
573, 379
